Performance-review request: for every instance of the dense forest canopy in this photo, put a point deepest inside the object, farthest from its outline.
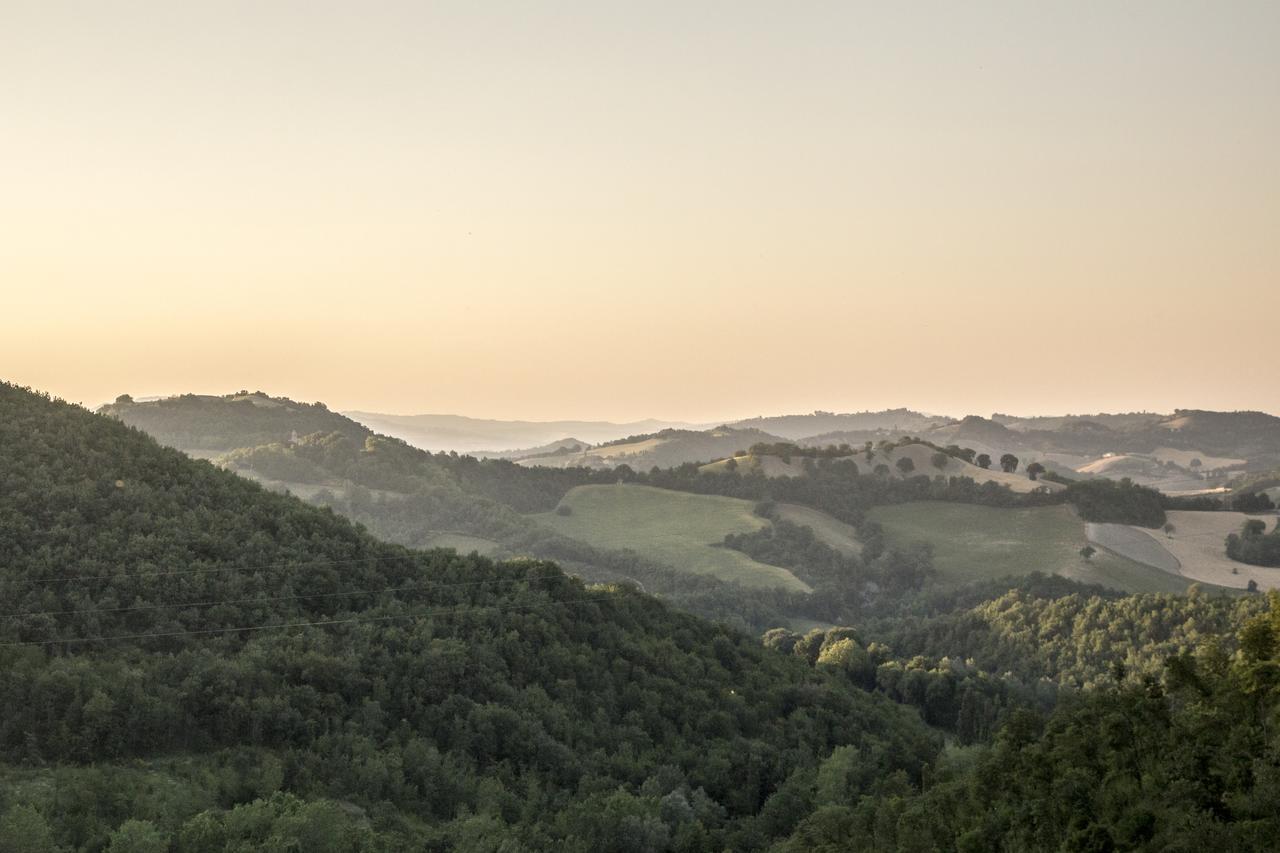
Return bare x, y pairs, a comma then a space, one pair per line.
250, 646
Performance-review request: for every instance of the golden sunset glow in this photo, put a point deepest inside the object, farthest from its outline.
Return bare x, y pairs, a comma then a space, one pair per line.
693, 211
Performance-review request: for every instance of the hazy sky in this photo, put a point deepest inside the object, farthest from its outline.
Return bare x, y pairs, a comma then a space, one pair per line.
616, 210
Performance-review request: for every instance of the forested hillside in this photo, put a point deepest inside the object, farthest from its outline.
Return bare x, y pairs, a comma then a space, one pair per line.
420, 499
192, 661
1184, 759
406, 495
195, 422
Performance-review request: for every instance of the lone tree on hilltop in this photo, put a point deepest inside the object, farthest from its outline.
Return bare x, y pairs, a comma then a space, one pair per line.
983, 461
1034, 470
1008, 463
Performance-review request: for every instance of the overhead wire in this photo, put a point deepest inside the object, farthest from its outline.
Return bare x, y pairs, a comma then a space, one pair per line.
417, 587
589, 597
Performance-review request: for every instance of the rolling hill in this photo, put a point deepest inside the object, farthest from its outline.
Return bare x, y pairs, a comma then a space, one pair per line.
796, 427
677, 528
973, 543
238, 665
921, 457
205, 425
665, 449
469, 435
415, 498
1192, 549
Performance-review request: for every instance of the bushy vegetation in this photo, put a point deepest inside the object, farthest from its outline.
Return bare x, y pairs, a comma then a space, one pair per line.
1254, 545
1117, 502
845, 583
1184, 759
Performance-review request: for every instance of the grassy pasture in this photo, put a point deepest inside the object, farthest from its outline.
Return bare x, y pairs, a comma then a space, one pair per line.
973, 542
680, 529
835, 533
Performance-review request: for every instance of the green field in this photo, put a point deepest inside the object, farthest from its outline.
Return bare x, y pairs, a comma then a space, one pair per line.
976, 542
835, 533
680, 529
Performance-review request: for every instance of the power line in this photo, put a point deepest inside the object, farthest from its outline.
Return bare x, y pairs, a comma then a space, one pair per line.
408, 557
589, 597
299, 597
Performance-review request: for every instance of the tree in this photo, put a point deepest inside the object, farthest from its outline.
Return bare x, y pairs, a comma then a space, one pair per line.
138, 836
123, 400
905, 465
1088, 551
983, 461
1196, 463
940, 460
881, 470
1169, 529
731, 464
1034, 470
24, 830
1008, 463
1252, 502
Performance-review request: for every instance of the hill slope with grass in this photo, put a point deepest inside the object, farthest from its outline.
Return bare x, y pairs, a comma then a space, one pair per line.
972, 543
202, 660
678, 528
922, 460
665, 449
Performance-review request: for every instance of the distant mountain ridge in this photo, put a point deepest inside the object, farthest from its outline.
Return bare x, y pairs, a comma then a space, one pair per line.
492, 437
796, 427
663, 449
1163, 447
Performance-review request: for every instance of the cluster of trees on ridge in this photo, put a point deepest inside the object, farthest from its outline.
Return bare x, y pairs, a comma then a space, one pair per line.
1254, 545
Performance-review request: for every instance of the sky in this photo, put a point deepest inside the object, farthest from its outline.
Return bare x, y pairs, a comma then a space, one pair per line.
692, 211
